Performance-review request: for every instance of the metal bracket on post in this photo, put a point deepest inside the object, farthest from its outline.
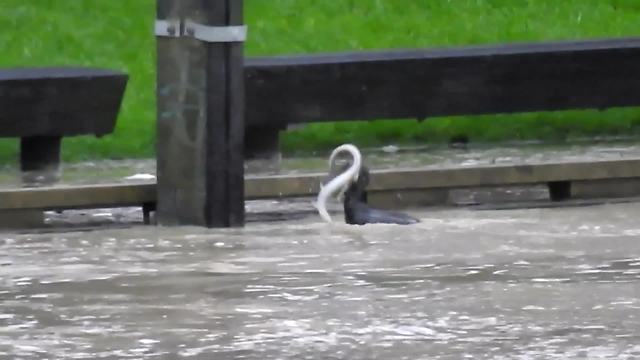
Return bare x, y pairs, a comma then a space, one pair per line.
168, 28
206, 33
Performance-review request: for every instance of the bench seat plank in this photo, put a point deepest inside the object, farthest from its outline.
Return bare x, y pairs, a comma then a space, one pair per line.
63, 101
468, 80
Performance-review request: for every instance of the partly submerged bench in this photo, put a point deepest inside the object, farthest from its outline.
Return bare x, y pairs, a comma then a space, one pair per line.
42, 105
426, 83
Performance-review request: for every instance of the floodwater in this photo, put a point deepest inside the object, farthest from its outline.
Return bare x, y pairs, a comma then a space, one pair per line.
553, 283
518, 284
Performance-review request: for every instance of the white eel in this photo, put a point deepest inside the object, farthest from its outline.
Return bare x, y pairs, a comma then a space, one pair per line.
340, 183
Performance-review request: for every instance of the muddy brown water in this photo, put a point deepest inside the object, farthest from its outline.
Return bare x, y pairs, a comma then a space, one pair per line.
518, 284
552, 283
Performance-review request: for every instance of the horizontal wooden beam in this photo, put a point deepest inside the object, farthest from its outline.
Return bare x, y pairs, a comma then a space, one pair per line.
267, 187
418, 84
78, 197
454, 177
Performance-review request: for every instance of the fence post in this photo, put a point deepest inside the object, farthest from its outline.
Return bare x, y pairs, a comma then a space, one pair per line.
200, 125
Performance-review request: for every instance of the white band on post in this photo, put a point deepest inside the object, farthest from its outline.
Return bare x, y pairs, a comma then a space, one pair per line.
206, 33
167, 28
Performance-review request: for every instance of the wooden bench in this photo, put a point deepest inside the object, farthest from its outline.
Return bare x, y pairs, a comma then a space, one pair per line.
42, 105
419, 84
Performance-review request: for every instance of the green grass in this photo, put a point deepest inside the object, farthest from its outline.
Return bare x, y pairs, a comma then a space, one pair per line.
117, 34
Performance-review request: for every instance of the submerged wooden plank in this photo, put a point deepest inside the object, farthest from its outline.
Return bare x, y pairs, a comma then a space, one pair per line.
456, 177
605, 188
85, 196
21, 218
267, 187
402, 84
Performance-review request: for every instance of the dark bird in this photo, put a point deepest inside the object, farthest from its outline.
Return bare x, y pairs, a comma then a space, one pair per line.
350, 187
358, 212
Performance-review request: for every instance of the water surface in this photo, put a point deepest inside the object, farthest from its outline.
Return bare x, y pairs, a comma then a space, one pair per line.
559, 283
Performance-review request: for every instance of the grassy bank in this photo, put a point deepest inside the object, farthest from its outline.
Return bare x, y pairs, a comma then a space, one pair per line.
117, 34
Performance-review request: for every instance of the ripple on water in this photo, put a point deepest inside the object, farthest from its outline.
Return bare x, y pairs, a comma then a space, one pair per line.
498, 284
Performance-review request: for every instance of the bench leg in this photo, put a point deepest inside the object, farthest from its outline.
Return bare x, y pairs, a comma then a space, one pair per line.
40, 159
261, 143
147, 208
559, 190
